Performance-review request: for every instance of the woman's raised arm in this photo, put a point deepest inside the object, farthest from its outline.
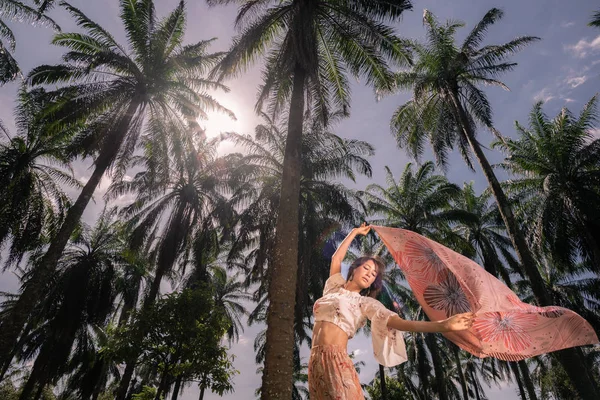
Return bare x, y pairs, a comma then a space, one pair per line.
340, 253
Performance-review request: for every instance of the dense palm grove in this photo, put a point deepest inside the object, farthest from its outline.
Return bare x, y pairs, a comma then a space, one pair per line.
148, 300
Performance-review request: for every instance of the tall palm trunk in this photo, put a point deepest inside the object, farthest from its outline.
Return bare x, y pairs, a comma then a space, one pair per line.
278, 370
121, 392
527, 378
568, 358
177, 388
168, 254
461, 375
436, 359
13, 323
515, 370
384, 393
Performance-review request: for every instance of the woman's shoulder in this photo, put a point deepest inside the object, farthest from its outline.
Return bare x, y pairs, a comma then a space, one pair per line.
333, 283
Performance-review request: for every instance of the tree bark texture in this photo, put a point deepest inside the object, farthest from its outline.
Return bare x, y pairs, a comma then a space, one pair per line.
278, 370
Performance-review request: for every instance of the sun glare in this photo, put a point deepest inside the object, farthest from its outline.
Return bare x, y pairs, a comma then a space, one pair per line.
219, 122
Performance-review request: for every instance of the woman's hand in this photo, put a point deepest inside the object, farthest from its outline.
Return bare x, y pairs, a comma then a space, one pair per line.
363, 229
459, 322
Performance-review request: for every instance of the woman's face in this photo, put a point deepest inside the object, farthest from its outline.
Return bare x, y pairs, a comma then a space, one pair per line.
365, 275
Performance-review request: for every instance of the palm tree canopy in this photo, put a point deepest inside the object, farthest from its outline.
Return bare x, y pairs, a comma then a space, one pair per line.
479, 223
157, 74
441, 69
79, 297
325, 38
34, 164
595, 20
418, 201
15, 10
557, 179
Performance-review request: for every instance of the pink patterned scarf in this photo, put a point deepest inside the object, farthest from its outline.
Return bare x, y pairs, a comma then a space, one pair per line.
446, 283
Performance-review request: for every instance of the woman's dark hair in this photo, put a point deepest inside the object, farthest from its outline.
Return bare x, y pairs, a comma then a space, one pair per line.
377, 285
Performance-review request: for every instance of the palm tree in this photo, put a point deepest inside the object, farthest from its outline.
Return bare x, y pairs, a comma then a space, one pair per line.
447, 104
229, 297
33, 165
446, 107
15, 10
172, 207
308, 48
595, 20
419, 201
557, 182
324, 206
482, 228
160, 77
79, 297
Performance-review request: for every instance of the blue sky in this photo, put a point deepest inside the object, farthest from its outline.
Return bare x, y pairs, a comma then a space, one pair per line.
562, 69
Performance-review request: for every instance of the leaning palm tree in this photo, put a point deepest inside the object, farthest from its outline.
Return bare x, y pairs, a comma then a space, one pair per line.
34, 164
447, 106
157, 76
308, 47
16, 10
556, 179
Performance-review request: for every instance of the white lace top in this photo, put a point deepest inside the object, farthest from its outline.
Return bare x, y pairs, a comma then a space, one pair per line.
349, 311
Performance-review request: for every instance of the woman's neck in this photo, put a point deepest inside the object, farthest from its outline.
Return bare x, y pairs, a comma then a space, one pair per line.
352, 287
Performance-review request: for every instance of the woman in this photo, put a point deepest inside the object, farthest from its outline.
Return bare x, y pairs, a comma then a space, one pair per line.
344, 307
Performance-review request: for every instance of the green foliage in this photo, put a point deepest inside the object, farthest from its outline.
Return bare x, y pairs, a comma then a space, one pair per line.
595, 22
418, 201
34, 171
325, 39
396, 389
180, 335
8, 391
556, 182
147, 393
444, 71
15, 10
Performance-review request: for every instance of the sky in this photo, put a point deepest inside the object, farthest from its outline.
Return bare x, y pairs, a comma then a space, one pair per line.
562, 70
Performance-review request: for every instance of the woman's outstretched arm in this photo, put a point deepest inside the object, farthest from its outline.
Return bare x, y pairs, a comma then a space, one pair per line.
340, 253
458, 322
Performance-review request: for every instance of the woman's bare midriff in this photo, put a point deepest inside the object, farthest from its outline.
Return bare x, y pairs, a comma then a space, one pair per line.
327, 333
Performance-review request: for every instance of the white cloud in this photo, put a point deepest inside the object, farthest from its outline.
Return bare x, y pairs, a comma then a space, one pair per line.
583, 47
567, 24
569, 100
576, 81
358, 352
543, 95
595, 133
